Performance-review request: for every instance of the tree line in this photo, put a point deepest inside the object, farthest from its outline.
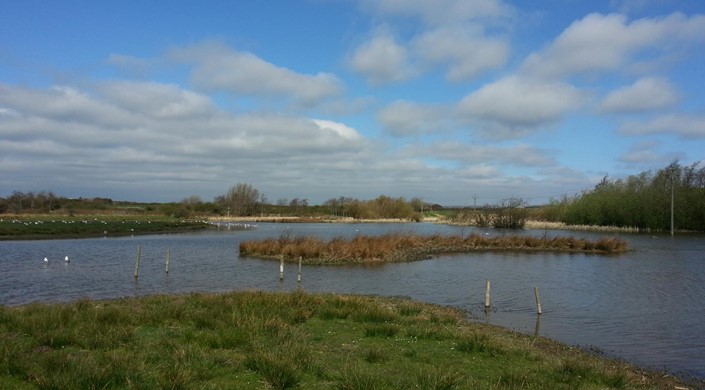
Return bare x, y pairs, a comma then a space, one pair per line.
640, 201
245, 200
240, 200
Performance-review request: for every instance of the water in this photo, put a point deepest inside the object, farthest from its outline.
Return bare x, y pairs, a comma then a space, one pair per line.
646, 306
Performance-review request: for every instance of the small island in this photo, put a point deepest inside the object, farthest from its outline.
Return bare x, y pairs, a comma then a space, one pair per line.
400, 247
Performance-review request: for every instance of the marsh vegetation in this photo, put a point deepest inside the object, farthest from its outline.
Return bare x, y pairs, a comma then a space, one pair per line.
399, 247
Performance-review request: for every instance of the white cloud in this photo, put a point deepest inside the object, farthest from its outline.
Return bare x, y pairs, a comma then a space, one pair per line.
163, 101
519, 104
601, 43
220, 68
466, 50
444, 12
645, 94
381, 60
641, 153
165, 135
404, 118
681, 125
338, 129
520, 155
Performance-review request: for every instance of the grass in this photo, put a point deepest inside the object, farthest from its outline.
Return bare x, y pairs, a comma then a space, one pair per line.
397, 247
255, 340
46, 226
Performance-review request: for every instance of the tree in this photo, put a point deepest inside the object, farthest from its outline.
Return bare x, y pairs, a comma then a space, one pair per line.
511, 214
240, 200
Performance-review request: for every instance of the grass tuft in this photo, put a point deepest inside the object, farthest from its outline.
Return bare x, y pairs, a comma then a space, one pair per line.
381, 330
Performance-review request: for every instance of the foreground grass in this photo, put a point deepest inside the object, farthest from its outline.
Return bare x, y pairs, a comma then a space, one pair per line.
397, 247
46, 226
254, 340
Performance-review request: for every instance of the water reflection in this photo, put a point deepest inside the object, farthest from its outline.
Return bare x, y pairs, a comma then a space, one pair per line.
624, 305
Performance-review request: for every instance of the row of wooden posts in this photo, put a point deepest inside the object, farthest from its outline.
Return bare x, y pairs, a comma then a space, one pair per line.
139, 253
487, 298
298, 277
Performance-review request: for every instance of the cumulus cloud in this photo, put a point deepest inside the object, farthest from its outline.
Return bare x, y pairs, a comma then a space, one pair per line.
681, 125
125, 131
643, 152
444, 12
220, 68
466, 50
520, 155
519, 104
404, 118
163, 101
381, 60
601, 43
645, 94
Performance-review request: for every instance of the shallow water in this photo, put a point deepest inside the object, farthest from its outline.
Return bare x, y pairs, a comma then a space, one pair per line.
646, 306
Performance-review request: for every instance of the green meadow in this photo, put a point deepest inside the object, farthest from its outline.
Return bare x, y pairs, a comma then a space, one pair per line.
259, 340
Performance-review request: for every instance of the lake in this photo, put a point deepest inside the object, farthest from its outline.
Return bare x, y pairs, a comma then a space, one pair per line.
646, 306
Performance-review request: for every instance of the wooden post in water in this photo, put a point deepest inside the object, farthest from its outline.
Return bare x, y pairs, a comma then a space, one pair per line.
168, 256
487, 295
298, 278
281, 267
137, 265
538, 302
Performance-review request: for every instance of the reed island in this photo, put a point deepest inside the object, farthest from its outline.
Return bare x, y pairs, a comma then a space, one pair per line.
401, 247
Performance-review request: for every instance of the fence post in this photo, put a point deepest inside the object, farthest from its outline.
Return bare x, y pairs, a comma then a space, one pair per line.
281, 267
487, 295
298, 278
538, 302
137, 265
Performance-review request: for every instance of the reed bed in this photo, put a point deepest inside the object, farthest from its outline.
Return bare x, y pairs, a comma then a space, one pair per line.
399, 247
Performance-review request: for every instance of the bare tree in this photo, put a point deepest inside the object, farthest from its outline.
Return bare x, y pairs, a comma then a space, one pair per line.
241, 200
511, 214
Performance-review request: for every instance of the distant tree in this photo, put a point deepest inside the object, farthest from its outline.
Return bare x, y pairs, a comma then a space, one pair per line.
418, 204
511, 213
241, 200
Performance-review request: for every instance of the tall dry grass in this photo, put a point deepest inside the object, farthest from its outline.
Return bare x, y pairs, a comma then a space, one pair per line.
398, 247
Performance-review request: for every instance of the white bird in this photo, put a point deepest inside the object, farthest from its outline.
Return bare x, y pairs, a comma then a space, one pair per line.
66, 259
46, 260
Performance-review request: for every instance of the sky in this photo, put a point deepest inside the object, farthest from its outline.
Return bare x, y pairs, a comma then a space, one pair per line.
456, 102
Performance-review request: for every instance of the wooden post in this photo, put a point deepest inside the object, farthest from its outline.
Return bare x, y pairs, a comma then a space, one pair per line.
487, 295
137, 266
168, 256
538, 302
298, 278
281, 267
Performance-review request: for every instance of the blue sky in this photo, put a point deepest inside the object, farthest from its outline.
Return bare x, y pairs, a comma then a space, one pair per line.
442, 100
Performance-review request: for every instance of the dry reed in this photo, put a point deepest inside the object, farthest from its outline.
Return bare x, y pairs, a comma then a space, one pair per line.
397, 247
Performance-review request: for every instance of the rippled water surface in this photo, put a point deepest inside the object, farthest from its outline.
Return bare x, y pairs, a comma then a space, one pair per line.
646, 306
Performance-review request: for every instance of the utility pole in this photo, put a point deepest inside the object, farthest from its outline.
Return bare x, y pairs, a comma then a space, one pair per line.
672, 203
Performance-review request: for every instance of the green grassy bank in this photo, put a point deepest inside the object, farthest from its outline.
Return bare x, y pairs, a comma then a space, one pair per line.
47, 226
256, 340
